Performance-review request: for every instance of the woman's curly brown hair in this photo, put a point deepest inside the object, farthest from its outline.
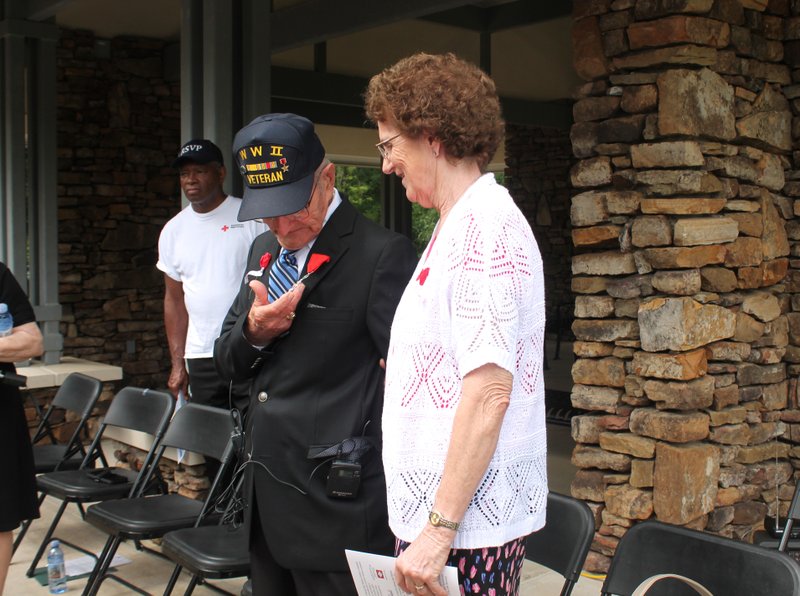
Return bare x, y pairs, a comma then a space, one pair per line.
441, 95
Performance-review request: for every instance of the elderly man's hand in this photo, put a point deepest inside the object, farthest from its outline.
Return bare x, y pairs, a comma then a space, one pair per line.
266, 320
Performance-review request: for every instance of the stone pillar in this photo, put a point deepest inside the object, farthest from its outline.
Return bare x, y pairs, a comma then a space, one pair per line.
118, 129
683, 131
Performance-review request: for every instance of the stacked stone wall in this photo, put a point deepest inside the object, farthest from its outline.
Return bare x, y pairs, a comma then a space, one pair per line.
118, 129
684, 313
538, 161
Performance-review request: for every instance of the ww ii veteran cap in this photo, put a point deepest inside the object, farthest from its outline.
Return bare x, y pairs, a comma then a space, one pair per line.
277, 155
200, 151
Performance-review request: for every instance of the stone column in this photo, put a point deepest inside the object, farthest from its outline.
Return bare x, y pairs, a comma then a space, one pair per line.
683, 131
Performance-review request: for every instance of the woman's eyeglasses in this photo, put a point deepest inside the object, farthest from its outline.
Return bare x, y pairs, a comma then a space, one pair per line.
385, 147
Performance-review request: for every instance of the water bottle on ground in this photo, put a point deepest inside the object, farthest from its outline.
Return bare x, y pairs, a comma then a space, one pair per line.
6, 320
56, 573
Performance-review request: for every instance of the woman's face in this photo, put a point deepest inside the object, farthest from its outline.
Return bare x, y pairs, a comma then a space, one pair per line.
412, 160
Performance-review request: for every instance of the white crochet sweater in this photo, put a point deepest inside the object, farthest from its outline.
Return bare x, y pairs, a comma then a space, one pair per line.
476, 297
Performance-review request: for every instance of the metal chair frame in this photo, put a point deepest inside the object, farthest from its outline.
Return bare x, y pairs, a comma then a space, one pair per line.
563, 543
132, 408
196, 428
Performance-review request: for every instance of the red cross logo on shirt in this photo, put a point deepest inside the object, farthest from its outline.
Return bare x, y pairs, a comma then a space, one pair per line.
225, 228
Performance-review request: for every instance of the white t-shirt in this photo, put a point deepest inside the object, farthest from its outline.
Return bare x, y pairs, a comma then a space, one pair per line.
476, 297
207, 253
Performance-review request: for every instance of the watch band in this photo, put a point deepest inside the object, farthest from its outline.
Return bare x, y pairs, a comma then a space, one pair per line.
438, 521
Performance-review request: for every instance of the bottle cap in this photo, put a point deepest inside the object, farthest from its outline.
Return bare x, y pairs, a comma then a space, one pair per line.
3, 308
55, 544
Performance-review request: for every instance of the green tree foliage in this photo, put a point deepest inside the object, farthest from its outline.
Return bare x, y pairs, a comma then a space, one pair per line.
362, 185
422, 223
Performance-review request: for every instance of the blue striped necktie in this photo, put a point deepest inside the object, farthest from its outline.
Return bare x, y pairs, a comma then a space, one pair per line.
283, 274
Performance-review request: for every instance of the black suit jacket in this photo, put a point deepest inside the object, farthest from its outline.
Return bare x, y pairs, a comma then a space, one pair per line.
319, 385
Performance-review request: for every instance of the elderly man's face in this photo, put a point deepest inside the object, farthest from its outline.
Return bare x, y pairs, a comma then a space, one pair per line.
295, 230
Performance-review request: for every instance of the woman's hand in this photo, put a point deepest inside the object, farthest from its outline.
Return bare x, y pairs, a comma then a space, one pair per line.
419, 566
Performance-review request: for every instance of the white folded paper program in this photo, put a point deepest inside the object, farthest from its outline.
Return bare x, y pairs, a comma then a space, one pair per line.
374, 575
179, 403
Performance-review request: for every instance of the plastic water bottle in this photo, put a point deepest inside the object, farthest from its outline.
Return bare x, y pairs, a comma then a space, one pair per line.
56, 573
6, 320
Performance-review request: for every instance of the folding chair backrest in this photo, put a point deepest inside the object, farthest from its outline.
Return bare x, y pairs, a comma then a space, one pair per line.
143, 410
79, 394
724, 566
563, 543
201, 429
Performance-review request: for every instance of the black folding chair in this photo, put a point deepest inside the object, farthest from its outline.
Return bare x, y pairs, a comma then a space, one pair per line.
786, 538
132, 408
209, 552
78, 394
721, 565
564, 541
195, 428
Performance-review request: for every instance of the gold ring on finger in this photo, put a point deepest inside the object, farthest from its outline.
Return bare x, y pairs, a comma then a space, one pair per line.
290, 316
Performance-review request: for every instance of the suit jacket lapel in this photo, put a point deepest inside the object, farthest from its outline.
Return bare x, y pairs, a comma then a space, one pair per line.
332, 241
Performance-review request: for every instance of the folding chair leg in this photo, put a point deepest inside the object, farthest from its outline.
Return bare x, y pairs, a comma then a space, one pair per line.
46, 540
102, 565
192, 584
24, 529
173, 579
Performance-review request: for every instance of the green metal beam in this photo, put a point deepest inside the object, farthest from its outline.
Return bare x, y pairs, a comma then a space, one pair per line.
39, 10
504, 16
332, 95
319, 20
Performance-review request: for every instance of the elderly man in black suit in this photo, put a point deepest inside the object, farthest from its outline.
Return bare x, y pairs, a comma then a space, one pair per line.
309, 327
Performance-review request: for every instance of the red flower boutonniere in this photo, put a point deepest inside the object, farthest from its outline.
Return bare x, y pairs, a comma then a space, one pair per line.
423, 275
315, 261
263, 262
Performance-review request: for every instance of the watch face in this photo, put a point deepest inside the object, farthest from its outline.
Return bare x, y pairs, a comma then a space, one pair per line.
435, 517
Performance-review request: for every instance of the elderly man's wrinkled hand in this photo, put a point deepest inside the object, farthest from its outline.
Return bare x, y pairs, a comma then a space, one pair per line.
266, 320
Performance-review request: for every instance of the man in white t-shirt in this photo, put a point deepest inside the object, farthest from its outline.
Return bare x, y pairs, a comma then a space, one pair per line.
202, 252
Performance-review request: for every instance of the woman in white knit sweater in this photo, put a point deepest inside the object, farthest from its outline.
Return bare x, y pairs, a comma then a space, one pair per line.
464, 435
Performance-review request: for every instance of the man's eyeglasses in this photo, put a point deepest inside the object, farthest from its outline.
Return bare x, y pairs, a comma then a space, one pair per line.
385, 147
